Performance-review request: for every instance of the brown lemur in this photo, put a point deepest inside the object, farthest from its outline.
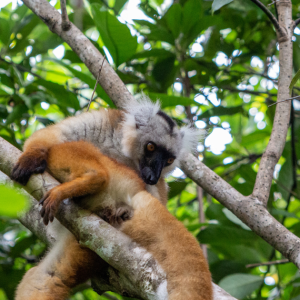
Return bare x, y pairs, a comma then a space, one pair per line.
120, 134
113, 186
108, 185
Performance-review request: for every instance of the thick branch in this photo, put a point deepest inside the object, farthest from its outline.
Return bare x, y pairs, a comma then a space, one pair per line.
280, 30
87, 52
282, 116
131, 270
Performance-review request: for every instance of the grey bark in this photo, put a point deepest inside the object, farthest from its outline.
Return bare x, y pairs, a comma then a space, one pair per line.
282, 116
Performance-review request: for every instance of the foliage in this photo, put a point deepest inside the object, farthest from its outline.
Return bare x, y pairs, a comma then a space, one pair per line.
218, 71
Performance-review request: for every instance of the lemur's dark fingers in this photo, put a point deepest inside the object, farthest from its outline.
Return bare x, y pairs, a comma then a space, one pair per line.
41, 202
51, 216
46, 215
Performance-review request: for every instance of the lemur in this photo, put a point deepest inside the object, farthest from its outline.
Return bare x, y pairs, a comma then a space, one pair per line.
108, 185
120, 134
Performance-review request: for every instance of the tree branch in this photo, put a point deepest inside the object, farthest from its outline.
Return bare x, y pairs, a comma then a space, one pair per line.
280, 30
282, 116
131, 270
65, 25
247, 208
296, 23
86, 51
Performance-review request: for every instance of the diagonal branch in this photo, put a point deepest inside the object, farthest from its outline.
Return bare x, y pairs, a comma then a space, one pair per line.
280, 30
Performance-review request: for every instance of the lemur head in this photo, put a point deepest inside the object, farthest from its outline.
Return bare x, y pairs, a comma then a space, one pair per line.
153, 140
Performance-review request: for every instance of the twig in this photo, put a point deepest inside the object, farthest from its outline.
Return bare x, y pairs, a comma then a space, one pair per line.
283, 187
296, 23
284, 100
20, 68
282, 34
273, 2
65, 25
269, 263
100, 69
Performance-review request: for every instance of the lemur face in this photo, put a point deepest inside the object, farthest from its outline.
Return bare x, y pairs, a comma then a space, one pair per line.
155, 158
153, 140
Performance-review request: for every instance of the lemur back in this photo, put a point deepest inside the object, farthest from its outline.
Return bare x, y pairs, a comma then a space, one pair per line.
106, 183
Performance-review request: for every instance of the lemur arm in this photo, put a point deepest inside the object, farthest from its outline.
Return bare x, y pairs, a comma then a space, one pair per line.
92, 126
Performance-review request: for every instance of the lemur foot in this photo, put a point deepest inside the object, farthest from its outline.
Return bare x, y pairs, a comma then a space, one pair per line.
28, 164
116, 217
50, 203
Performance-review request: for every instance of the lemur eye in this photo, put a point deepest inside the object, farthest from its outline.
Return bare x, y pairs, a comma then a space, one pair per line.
171, 160
150, 147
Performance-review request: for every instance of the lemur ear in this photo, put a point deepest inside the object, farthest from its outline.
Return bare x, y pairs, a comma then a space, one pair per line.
190, 137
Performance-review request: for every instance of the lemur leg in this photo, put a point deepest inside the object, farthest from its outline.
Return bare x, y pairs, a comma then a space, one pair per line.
34, 159
66, 265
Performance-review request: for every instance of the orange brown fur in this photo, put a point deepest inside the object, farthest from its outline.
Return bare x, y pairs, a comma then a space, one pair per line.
85, 171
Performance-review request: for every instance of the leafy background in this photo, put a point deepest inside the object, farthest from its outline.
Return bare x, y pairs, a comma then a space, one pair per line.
213, 65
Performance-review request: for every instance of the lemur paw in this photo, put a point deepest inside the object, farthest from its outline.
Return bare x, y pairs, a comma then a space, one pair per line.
116, 217
50, 203
28, 164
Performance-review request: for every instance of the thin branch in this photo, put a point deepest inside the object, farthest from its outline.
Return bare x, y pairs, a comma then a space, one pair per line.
20, 68
296, 23
281, 31
234, 90
65, 25
286, 189
296, 98
269, 263
97, 80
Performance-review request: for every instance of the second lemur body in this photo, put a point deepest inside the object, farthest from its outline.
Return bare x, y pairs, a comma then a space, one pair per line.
109, 186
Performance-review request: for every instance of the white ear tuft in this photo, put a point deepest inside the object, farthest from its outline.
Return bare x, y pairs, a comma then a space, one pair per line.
190, 137
143, 110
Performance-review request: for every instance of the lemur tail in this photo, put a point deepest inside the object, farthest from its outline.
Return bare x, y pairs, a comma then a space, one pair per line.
176, 250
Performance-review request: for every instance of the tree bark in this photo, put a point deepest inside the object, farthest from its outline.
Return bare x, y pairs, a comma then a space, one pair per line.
282, 116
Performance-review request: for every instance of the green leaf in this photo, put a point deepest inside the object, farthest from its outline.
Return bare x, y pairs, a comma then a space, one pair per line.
167, 101
294, 81
62, 96
241, 285
217, 4
11, 201
118, 5
161, 53
233, 218
191, 15
176, 187
222, 111
88, 80
22, 245
17, 113
173, 17
5, 31
115, 35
